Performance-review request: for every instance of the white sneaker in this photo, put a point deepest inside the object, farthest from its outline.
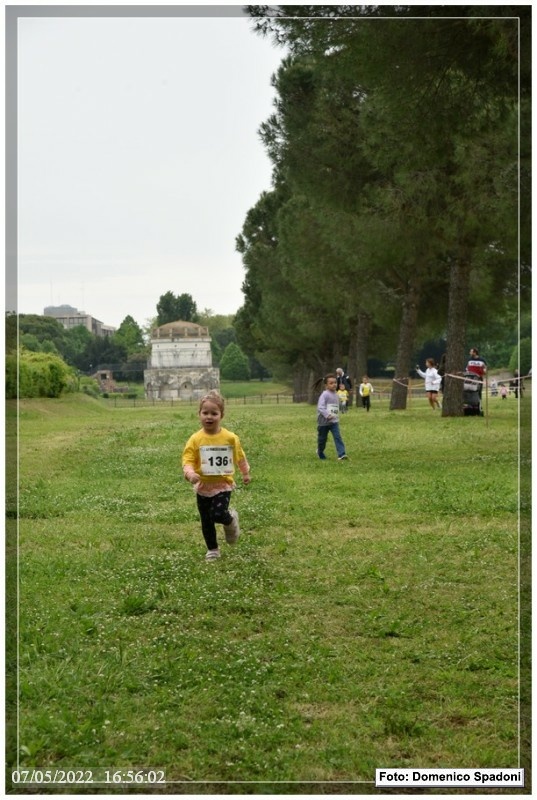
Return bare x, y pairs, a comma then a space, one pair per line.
212, 555
232, 531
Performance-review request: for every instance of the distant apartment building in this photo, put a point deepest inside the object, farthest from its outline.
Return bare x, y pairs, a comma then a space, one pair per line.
70, 317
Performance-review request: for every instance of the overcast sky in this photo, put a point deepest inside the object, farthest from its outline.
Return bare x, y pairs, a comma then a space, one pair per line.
138, 159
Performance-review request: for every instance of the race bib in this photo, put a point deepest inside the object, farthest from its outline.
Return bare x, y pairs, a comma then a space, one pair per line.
333, 409
217, 460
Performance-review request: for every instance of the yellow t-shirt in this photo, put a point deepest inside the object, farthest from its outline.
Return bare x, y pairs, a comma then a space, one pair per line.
214, 457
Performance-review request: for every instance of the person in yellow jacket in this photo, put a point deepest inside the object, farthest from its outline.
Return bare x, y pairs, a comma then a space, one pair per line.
209, 460
366, 390
343, 395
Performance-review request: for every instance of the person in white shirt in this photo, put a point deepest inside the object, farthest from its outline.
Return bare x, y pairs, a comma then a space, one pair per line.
432, 382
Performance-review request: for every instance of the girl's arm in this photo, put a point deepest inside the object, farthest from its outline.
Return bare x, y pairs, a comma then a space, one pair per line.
245, 470
191, 475
242, 461
189, 462
321, 405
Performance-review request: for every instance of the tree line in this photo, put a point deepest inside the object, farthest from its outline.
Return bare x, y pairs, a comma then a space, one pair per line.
44, 359
52, 359
394, 214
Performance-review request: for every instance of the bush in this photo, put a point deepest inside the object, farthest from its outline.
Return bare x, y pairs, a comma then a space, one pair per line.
234, 365
39, 375
89, 386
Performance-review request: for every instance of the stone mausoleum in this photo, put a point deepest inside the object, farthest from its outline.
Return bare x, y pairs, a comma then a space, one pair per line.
181, 364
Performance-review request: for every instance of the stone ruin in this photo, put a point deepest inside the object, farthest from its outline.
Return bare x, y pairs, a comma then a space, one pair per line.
181, 364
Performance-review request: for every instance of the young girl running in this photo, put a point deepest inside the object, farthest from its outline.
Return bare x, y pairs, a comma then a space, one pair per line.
366, 390
209, 461
432, 382
328, 419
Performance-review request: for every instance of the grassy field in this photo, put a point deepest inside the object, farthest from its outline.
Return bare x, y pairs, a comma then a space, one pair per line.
368, 616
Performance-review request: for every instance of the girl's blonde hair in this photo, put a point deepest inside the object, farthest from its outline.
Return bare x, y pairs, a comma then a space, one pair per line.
213, 397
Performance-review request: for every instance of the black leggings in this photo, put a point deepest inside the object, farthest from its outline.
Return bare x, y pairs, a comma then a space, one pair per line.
213, 509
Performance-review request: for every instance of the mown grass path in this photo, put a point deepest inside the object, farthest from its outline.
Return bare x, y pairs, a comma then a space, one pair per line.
368, 617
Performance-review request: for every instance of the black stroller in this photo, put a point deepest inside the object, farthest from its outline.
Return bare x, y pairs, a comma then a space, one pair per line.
471, 395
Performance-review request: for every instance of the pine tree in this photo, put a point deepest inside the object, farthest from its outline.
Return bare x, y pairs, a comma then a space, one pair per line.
234, 364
